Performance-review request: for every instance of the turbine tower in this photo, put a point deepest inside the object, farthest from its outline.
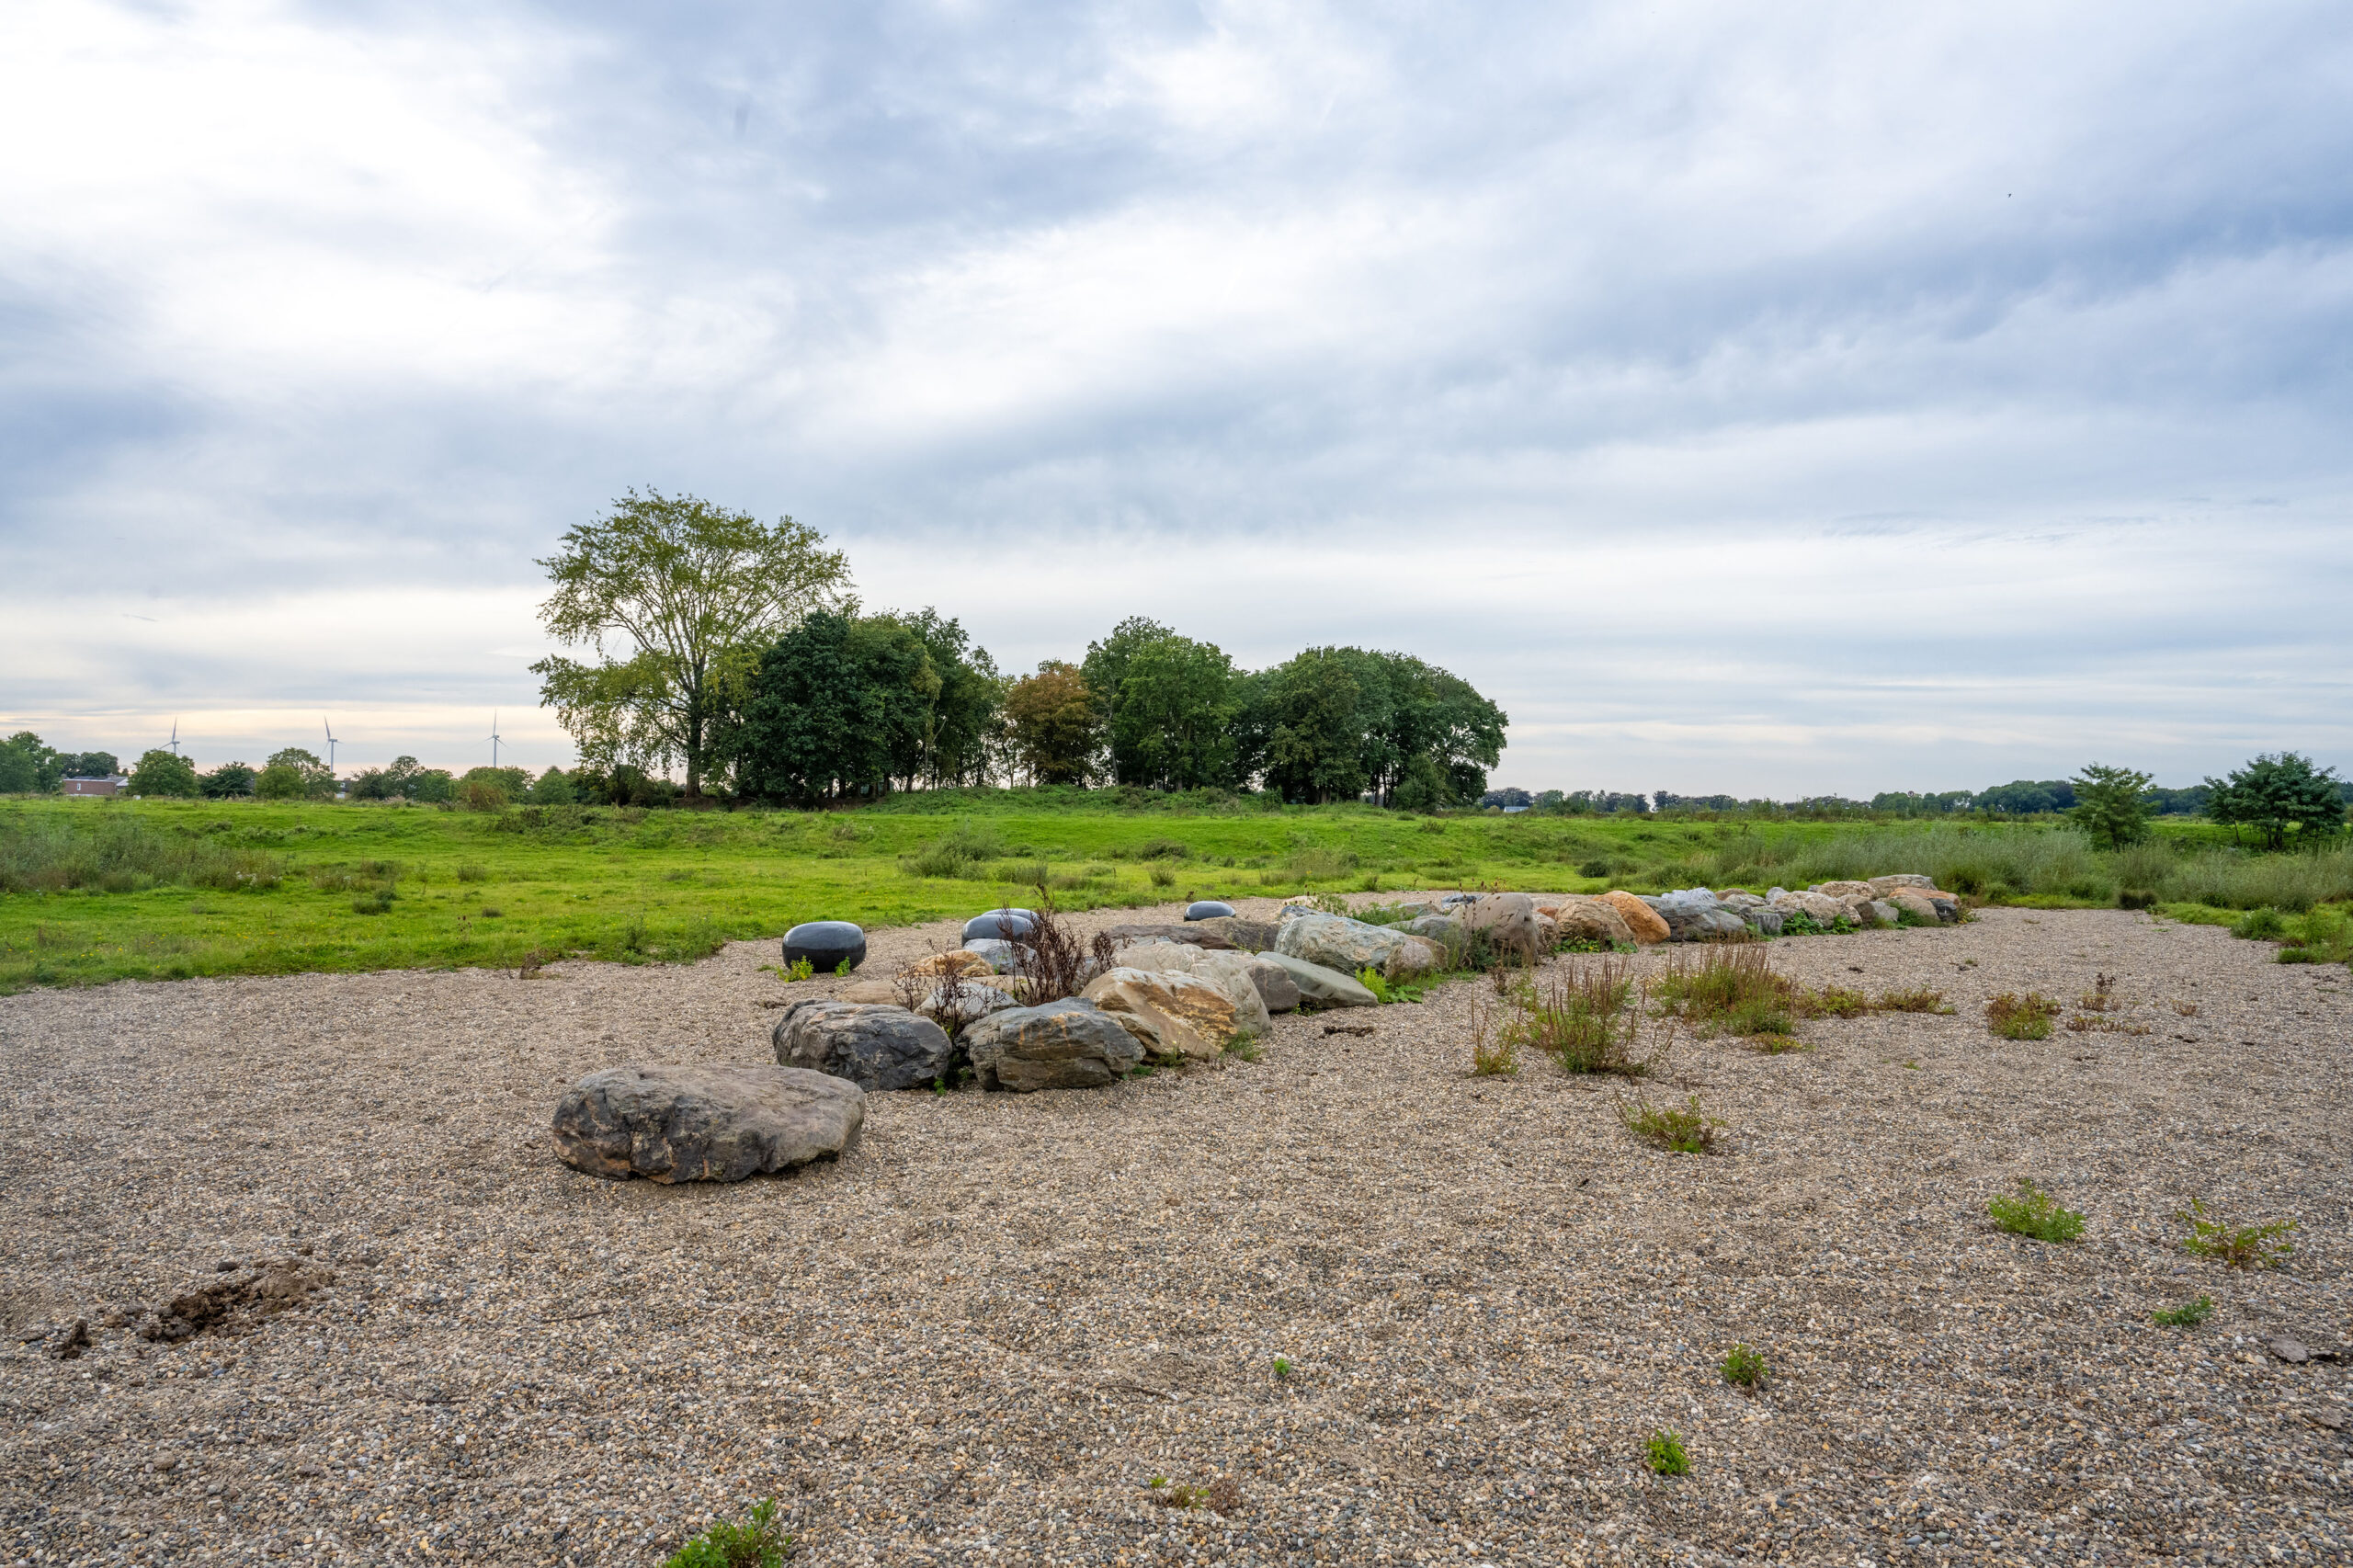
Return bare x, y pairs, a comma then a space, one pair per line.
494, 737
175, 743
330, 729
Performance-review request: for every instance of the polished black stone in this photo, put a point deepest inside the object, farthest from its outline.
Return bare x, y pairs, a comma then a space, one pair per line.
1005, 925
1207, 909
825, 943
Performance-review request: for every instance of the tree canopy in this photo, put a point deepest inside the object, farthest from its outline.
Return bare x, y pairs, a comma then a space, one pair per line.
2276, 795
679, 598
161, 772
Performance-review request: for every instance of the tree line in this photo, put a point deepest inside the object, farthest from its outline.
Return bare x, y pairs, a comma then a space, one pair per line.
735, 651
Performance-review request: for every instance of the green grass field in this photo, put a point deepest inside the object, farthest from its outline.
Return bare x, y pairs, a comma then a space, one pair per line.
95, 891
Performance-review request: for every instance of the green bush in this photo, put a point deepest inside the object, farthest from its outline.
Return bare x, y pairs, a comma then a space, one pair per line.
755, 1543
2189, 1314
161, 772
1681, 1130
2021, 1017
1744, 1367
2260, 925
1665, 1455
2031, 1211
2239, 1246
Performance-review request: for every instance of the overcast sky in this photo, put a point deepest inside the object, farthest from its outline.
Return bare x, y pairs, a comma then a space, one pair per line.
1754, 398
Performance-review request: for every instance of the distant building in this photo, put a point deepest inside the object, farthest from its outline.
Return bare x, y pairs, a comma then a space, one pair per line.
113, 785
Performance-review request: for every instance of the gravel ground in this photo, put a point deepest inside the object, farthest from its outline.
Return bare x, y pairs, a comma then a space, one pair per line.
980, 1336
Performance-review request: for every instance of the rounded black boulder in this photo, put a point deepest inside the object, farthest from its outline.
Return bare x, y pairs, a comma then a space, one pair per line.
825, 944
1001, 925
1207, 909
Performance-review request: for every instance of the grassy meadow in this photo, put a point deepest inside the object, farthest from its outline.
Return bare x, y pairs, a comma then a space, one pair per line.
93, 891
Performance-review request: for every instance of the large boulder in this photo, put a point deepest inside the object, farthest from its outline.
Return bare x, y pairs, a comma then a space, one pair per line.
883, 993
1228, 971
993, 951
1882, 886
671, 1124
953, 1007
1069, 1044
1323, 987
999, 925
1199, 934
1278, 990
1695, 914
955, 960
1172, 1016
1911, 902
1763, 921
1336, 942
1207, 909
1592, 920
1505, 919
1821, 908
874, 1045
1842, 890
1249, 936
1641, 921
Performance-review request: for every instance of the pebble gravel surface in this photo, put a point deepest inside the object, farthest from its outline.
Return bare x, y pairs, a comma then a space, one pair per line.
1375, 1308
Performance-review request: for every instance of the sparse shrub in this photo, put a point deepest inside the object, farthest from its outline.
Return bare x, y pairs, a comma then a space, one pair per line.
2240, 1246
1582, 1017
2021, 1017
1918, 999
1835, 1002
802, 970
2187, 1009
1162, 849
1493, 1055
470, 872
1775, 1044
1744, 1367
755, 1543
1024, 873
377, 903
2031, 1211
2101, 998
1162, 877
1682, 1129
955, 853
2189, 1314
1053, 962
1665, 1455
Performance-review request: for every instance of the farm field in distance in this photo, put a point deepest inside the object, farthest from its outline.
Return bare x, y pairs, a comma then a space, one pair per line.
101, 890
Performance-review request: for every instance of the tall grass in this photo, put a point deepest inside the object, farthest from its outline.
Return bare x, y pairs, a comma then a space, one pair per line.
958, 852
2016, 861
121, 855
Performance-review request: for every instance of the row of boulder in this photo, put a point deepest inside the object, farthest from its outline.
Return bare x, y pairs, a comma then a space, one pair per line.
1176, 993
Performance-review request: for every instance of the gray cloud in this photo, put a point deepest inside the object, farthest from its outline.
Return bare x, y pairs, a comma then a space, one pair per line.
1750, 399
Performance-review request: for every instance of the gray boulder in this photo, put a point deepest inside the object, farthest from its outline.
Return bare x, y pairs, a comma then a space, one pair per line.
1763, 921
1068, 1044
1876, 912
1324, 987
994, 951
873, 1045
1336, 942
1443, 929
672, 1124
1275, 987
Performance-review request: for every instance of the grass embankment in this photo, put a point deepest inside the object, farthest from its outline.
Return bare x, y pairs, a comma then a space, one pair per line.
94, 891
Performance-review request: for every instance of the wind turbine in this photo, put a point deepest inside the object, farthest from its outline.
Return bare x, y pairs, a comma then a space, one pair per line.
174, 744
494, 737
330, 729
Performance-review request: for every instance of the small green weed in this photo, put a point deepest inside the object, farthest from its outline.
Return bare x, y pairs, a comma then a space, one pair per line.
2031, 1211
1162, 877
1372, 980
1583, 1018
1775, 1044
2189, 1314
1918, 999
1683, 1129
2021, 1017
1222, 1495
2240, 1246
755, 1543
802, 970
841, 970
1665, 1455
1493, 1052
1283, 1367
1243, 1048
1744, 1367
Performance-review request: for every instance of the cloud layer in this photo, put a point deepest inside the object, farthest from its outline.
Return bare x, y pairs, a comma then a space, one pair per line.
1749, 399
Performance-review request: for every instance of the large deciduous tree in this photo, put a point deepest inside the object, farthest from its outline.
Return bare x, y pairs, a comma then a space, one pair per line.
2276, 795
2111, 806
679, 598
1054, 726
161, 772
